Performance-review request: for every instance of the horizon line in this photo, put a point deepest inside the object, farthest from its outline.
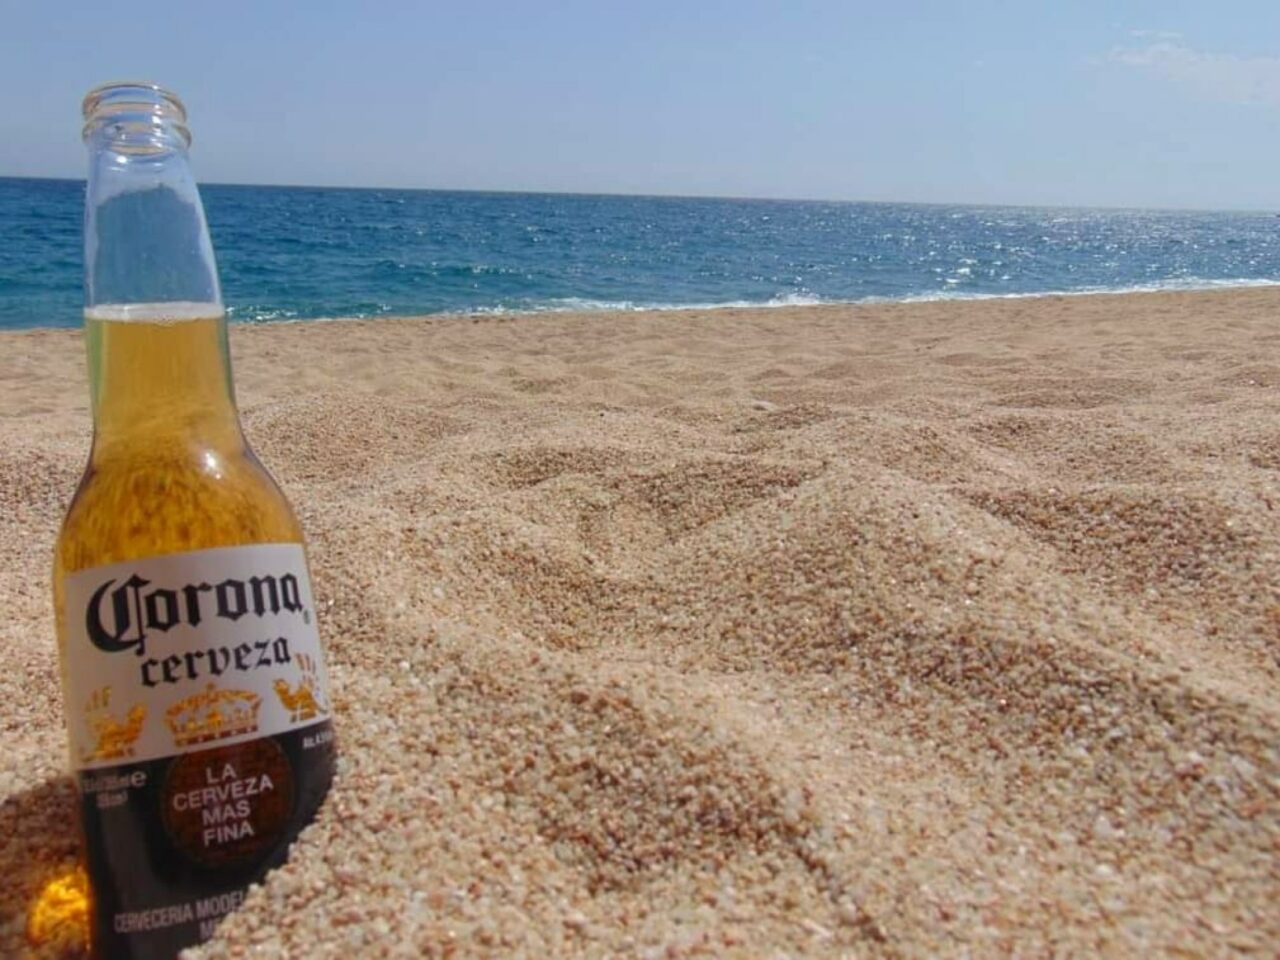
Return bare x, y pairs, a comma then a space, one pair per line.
697, 196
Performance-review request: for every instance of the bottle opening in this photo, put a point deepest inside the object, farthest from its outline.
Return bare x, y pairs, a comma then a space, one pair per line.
137, 117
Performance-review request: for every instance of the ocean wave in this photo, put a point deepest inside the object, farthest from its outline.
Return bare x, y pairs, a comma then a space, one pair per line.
398, 268
589, 305
1181, 284
251, 313
584, 305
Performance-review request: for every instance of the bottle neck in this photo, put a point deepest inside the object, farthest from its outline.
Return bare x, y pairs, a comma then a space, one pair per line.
145, 236
160, 377
154, 323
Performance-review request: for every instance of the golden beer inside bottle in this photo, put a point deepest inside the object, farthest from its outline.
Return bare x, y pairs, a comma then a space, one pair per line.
170, 470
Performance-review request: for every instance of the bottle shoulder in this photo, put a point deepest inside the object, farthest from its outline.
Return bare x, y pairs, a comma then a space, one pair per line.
133, 504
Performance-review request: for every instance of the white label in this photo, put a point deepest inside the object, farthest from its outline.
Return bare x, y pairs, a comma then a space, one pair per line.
173, 654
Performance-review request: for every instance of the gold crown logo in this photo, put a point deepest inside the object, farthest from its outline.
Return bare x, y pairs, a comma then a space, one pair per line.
115, 736
301, 700
213, 714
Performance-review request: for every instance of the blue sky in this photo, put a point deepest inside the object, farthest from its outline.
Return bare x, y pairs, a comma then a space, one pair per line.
1163, 104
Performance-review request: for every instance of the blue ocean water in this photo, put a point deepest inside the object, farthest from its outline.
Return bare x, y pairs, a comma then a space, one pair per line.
298, 252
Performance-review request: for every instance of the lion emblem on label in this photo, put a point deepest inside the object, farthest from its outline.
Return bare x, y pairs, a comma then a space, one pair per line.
115, 735
302, 700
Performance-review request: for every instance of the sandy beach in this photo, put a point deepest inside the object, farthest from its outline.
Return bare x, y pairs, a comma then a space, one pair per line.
898, 630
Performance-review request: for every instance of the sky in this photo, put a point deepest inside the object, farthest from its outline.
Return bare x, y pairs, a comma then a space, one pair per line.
1130, 104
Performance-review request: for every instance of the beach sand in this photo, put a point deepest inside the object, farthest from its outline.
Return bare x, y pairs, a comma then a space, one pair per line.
895, 630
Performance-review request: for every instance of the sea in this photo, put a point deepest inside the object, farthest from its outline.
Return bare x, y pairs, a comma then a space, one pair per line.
304, 253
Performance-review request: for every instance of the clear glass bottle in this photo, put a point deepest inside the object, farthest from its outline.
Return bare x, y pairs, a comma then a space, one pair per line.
194, 687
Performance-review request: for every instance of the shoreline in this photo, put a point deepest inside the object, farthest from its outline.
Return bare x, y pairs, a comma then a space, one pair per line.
1225, 289
896, 630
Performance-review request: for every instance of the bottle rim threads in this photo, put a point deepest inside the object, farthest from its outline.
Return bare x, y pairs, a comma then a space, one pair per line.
136, 115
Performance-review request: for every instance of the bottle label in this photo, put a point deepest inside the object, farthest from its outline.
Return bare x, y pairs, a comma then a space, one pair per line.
198, 715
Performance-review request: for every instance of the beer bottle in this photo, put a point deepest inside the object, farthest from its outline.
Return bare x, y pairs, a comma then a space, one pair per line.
196, 704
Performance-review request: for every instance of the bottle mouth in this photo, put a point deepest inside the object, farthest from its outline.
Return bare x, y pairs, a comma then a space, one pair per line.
137, 117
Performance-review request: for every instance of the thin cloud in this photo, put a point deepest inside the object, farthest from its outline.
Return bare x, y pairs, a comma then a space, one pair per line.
1215, 76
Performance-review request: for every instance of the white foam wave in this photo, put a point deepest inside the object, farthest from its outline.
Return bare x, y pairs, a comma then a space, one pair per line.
263, 314
582, 305
588, 305
1184, 284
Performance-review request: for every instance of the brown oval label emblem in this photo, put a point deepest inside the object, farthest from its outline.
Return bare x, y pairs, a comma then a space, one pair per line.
229, 805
